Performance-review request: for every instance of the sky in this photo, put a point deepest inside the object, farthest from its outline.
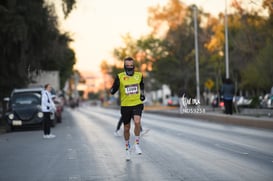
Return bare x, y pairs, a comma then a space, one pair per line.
98, 25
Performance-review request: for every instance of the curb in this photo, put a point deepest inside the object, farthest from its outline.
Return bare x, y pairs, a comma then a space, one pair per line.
239, 120
264, 123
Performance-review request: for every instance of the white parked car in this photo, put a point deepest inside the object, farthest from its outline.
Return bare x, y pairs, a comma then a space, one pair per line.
241, 101
267, 101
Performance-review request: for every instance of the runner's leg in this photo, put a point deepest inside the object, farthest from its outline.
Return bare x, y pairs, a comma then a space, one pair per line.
119, 124
137, 125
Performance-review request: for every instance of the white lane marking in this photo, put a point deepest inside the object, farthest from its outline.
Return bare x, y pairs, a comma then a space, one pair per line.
230, 149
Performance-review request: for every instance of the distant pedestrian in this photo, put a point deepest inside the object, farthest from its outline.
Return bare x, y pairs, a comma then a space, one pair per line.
116, 133
48, 108
228, 91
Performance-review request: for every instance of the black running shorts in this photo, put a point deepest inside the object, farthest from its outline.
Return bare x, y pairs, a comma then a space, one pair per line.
128, 112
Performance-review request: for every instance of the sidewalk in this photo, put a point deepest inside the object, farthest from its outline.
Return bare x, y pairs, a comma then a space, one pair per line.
215, 115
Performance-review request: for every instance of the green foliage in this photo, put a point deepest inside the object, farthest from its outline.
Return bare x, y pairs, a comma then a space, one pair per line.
255, 102
250, 48
30, 41
259, 73
170, 59
178, 69
146, 51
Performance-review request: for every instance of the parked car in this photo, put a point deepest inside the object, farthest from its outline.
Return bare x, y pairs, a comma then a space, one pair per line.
267, 101
241, 101
25, 108
173, 101
59, 109
217, 102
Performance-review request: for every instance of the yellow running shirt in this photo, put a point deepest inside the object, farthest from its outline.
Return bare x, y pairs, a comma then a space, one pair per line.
130, 89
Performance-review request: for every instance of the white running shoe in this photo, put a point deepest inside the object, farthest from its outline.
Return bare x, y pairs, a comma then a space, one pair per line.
46, 136
138, 149
51, 136
128, 156
116, 133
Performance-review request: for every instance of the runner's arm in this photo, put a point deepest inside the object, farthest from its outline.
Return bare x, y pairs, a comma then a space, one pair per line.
141, 86
115, 86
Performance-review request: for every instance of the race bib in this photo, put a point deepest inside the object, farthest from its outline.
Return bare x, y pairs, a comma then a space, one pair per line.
131, 89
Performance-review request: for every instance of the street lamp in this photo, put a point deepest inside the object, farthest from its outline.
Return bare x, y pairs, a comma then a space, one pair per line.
196, 53
226, 41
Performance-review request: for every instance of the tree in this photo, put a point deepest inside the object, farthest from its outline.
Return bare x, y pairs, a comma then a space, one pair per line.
178, 68
68, 6
258, 75
30, 41
167, 57
146, 51
248, 34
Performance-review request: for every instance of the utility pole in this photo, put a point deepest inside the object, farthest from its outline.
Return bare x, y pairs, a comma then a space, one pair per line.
196, 54
226, 41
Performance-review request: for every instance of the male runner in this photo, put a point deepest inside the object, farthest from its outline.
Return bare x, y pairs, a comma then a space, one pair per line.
131, 87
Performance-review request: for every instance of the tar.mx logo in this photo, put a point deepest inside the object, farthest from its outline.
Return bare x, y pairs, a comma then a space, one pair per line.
189, 101
194, 103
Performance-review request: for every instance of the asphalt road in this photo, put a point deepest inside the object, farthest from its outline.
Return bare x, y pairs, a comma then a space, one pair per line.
176, 149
